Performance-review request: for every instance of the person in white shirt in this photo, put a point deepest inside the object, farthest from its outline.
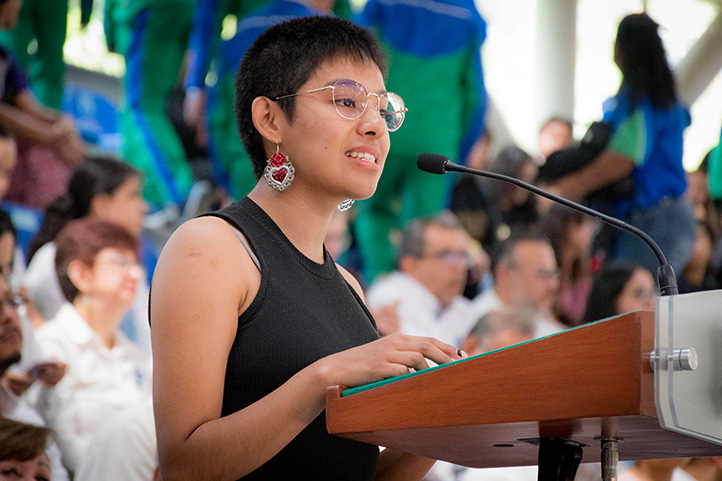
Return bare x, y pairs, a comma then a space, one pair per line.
129, 435
700, 469
97, 267
525, 274
100, 187
433, 263
11, 347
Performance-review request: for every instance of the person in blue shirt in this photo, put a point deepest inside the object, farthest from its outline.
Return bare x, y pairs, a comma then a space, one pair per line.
648, 121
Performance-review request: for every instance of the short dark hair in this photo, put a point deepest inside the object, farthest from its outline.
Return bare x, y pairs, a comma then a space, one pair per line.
284, 57
20, 441
413, 237
504, 251
83, 239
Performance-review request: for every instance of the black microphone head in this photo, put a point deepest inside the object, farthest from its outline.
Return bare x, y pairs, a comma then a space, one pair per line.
432, 163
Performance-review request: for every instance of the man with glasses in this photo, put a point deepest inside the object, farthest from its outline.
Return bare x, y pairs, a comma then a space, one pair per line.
525, 274
433, 264
12, 405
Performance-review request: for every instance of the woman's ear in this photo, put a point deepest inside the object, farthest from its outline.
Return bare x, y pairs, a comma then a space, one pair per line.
80, 275
268, 118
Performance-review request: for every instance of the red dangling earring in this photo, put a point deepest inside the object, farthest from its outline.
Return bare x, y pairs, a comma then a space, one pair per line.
279, 171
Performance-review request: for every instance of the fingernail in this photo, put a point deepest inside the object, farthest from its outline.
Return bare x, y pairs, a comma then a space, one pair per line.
461, 353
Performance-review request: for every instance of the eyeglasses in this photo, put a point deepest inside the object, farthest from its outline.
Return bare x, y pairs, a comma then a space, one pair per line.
123, 262
541, 274
350, 100
451, 257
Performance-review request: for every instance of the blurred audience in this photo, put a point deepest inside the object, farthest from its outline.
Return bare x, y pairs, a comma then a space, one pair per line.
104, 188
557, 133
427, 289
13, 405
648, 123
48, 143
619, 288
571, 234
152, 36
97, 267
125, 445
22, 452
525, 275
700, 469
439, 46
37, 44
653, 469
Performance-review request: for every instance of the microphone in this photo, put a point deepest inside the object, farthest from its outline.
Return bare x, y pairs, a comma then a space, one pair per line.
438, 164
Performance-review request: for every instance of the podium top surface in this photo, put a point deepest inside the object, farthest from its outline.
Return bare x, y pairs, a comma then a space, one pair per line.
491, 410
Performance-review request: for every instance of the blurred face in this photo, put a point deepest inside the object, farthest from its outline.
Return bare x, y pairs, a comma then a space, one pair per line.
698, 193
528, 173
36, 469
443, 267
114, 276
8, 157
9, 12
534, 275
554, 136
11, 337
638, 293
7, 254
580, 235
124, 207
334, 155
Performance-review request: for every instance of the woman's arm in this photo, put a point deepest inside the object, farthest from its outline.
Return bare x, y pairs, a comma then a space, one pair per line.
606, 169
203, 280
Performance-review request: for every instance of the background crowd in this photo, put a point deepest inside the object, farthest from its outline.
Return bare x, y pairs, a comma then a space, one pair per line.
475, 263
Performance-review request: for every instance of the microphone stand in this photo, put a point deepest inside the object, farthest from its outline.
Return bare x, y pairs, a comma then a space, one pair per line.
665, 274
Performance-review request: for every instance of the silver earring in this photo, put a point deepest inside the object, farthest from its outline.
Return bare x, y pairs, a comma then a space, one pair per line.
345, 205
279, 171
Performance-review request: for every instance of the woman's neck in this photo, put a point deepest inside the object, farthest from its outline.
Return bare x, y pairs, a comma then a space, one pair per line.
304, 219
101, 318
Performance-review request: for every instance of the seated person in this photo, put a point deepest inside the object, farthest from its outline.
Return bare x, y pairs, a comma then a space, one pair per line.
428, 287
11, 405
22, 452
525, 274
97, 266
101, 188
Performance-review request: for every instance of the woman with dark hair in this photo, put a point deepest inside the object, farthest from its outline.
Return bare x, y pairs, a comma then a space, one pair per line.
619, 288
97, 266
647, 122
104, 188
22, 452
251, 318
571, 234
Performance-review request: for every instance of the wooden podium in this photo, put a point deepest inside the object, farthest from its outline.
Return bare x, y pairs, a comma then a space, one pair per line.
579, 386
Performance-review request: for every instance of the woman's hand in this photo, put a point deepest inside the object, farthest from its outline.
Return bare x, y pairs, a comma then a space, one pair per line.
390, 356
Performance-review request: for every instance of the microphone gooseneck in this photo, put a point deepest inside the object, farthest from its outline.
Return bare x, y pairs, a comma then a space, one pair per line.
438, 164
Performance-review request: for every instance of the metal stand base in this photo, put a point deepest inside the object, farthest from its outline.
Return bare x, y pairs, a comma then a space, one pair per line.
610, 458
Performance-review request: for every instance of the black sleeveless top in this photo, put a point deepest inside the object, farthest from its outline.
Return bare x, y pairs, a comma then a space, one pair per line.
303, 311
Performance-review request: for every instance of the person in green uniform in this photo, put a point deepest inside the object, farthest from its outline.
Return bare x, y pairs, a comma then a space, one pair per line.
42, 22
152, 35
435, 65
210, 107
